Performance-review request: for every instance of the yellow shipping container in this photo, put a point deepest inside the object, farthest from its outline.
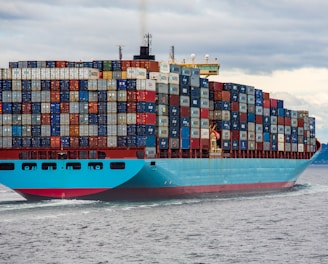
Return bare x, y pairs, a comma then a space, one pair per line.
107, 75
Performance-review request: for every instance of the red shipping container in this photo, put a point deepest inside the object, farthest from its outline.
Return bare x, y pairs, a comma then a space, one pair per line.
55, 85
259, 119
235, 107
74, 142
266, 103
217, 95
131, 107
281, 120
73, 85
93, 107
102, 142
184, 111
26, 108
288, 121
174, 99
146, 118
93, 142
195, 143
216, 86
300, 122
100, 74
146, 96
74, 119
0, 108
55, 142
131, 96
274, 103
64, 108
60, 64
45, 119
259, 145
205, 143
235, 134
226, 96
55, 96
126, 64
151, 66
243, 117
204, 113
266, 96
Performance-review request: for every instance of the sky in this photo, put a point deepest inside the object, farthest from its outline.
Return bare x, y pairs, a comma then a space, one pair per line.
278, 46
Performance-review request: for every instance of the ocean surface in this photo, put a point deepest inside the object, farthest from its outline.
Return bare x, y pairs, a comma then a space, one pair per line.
287, 227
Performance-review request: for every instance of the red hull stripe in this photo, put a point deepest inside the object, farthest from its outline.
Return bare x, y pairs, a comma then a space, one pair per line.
122, 193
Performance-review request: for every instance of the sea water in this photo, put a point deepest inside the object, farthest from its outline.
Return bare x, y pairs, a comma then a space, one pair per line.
287, 227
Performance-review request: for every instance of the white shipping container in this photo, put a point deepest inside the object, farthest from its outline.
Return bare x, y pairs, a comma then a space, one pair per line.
6, 74
64, 130
111, 107
93, 96
258, 128
195, 122
74, 96
164, 67
121, 130
74, 107
195, 112
102, 85
112, 119
84, 119
26, 73
184, 100
64, 119
163, 131
88, 73
281, 146
162, 120
45, 74
45, 108
92, 85
121, 119
7, 96
225, 134
111, 85
26, 119
204, 133
204, 93
36, 96
16, 119
259, 137
93, 130
150, 152
153, 75
173, 78
27, 131
45, 96
150, 85
16, 85
121, 96
45, 130
73, 73
225, 115
194, 132
251, 135
84, 130
141, 85
7, 142
131, 118
204, 123
7, 119
36, 85
36, 119
131, 73
141, 73
62, 73
112, 141
174, 89
7, 131
163, 78
54, 73
16, 73
112, 130
112, 96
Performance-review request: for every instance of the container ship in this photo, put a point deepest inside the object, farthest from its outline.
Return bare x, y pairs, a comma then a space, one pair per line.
143, 129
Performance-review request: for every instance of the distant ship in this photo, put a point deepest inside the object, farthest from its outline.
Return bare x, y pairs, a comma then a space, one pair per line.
142, 129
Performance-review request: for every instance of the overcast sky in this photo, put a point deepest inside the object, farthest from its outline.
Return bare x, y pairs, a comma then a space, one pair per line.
278, 46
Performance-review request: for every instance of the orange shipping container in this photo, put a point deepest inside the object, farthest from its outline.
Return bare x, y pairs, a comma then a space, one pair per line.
73, 85
226, 96
74, 119
74, 130
74, 142
102, 142
55, 142
93, 107
55, 85
26, 108
45, 119
55, 96
60, 64
64, 108
93, 142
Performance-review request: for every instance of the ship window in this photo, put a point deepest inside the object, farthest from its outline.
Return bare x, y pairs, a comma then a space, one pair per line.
83, 154
92, 154
29, 166
49, 166
7, 166
73, 166
152, 163
101, 155
117, 165
23, 155
95, 165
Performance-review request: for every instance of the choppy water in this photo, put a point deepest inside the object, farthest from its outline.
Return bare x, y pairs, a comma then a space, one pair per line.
289, 227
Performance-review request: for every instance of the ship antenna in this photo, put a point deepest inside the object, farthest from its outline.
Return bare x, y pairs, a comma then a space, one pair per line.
120, 56
172, 54
148, 41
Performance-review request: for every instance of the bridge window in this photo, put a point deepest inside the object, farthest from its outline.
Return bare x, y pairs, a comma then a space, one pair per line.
73, 166
29, 166
117, 165
49, 166
95, 165
7, 166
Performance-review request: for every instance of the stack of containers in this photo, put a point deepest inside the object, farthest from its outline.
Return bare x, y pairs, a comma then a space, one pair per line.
248, 119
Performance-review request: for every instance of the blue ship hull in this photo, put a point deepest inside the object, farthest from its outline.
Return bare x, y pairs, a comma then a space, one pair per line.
139, 179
